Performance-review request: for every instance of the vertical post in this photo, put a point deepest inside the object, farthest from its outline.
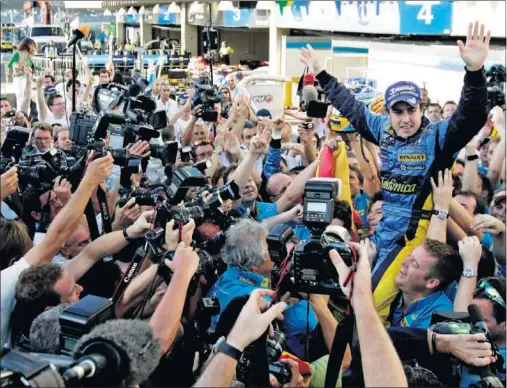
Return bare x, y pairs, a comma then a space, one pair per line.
73, 78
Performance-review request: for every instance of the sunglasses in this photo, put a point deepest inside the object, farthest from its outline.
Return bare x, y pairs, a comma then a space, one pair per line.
491, 292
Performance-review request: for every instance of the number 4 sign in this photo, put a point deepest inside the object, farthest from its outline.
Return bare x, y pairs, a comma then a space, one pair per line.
425, 17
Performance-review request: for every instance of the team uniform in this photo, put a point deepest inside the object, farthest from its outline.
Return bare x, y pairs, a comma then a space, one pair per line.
406, 168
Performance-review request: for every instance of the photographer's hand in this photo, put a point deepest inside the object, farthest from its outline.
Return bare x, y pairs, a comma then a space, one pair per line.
255, 317
172, 237
371, 250
62, 189
126, 215
472, 349
362, 277
142, 225
140, 149
98, 170
185, 261
297, 380
8, 182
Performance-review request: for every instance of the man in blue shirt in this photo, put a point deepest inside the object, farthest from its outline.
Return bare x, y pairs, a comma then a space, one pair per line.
249, 267
423, 277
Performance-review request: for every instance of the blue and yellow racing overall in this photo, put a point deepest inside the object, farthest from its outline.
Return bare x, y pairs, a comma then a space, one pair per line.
406, 168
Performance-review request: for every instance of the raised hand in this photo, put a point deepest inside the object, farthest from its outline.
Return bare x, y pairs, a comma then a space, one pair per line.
475, 50
309, 58
9, 182
140, 149
442, 194
62, 189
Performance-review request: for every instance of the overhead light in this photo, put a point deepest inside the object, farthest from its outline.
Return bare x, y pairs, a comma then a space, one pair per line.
121, 12
265, 5
196, 7
156, 9
226, 6
107, 12
142, 10
174, 8
132, 11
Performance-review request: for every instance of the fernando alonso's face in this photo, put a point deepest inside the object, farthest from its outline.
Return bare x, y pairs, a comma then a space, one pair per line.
405, 119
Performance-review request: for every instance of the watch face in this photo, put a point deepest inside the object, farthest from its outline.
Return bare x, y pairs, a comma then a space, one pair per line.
468, 272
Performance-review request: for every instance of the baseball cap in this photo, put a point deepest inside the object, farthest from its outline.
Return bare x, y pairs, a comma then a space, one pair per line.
50, 90
264, 113
405, 91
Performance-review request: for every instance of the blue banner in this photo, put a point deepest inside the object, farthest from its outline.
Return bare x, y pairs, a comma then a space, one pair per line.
133, 18
237, 18
154, 58
164, 16
425, 17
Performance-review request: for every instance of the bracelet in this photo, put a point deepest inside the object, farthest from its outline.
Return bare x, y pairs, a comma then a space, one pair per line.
434, 342
470, 158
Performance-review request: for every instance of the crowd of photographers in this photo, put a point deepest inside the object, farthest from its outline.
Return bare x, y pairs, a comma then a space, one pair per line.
163, 240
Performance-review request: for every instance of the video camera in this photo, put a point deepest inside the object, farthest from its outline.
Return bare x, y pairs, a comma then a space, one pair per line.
206, 95
496, 86
313, 270
471, 323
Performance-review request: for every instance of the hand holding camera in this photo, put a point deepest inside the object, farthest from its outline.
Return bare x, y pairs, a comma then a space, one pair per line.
255, 317
140, 149
361, 284
98, 170
9, 182
126, 215
185, 261
142, 225
172, 236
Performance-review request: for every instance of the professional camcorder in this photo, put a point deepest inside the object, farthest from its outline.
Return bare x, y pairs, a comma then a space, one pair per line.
313, 270
206, 95
496, 86
471, 323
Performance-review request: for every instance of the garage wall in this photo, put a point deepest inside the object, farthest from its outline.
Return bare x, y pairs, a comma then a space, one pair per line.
247, 44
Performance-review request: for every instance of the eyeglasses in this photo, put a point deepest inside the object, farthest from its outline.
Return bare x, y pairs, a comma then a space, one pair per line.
491, 292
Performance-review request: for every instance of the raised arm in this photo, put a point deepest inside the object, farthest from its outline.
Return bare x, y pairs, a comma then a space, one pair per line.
471, 113
365, 122
470, 173
296, 189
27, 95
107, 245
43, 108
67, 219
497, 163
442, 195
470, 250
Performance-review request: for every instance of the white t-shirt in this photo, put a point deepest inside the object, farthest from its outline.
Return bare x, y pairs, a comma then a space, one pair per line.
9, 278
171, 107
50, 119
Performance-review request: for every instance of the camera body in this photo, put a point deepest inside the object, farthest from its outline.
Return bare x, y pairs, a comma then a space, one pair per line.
496, 86
80, 318
12, 147
314, 271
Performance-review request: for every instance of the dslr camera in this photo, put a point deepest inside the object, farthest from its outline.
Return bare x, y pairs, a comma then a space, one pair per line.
12, 147
314, 271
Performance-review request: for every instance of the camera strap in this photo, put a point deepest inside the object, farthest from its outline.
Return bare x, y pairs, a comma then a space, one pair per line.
343, 333
131, 272
104, 211
92, 221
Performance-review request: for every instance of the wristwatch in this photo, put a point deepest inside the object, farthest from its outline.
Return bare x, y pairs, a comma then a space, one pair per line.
469, 272
127, 237
442, 214
223, 347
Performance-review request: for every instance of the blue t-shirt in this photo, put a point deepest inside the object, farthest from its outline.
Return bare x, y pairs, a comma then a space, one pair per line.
419, 312
467, 379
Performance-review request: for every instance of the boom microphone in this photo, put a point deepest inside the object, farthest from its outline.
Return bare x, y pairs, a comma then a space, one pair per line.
79, 33
116, 351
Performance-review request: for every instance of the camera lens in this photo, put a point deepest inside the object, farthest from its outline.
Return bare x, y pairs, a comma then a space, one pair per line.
121, 156
275, 346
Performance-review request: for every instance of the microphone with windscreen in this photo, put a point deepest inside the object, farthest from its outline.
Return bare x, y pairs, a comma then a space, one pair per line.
78, 34
114, 352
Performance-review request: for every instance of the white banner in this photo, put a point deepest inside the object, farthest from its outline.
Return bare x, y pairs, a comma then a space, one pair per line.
268, 96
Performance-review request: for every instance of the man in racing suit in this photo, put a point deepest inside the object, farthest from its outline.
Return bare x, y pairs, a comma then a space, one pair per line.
412, 150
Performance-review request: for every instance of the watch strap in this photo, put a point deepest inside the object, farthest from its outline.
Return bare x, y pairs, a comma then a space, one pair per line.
440, 213
470, 158
231, 351
127, 237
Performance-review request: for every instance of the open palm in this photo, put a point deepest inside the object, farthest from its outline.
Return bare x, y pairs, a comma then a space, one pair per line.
475, 51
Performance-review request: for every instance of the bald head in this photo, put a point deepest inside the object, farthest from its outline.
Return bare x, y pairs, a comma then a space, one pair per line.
277, 185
